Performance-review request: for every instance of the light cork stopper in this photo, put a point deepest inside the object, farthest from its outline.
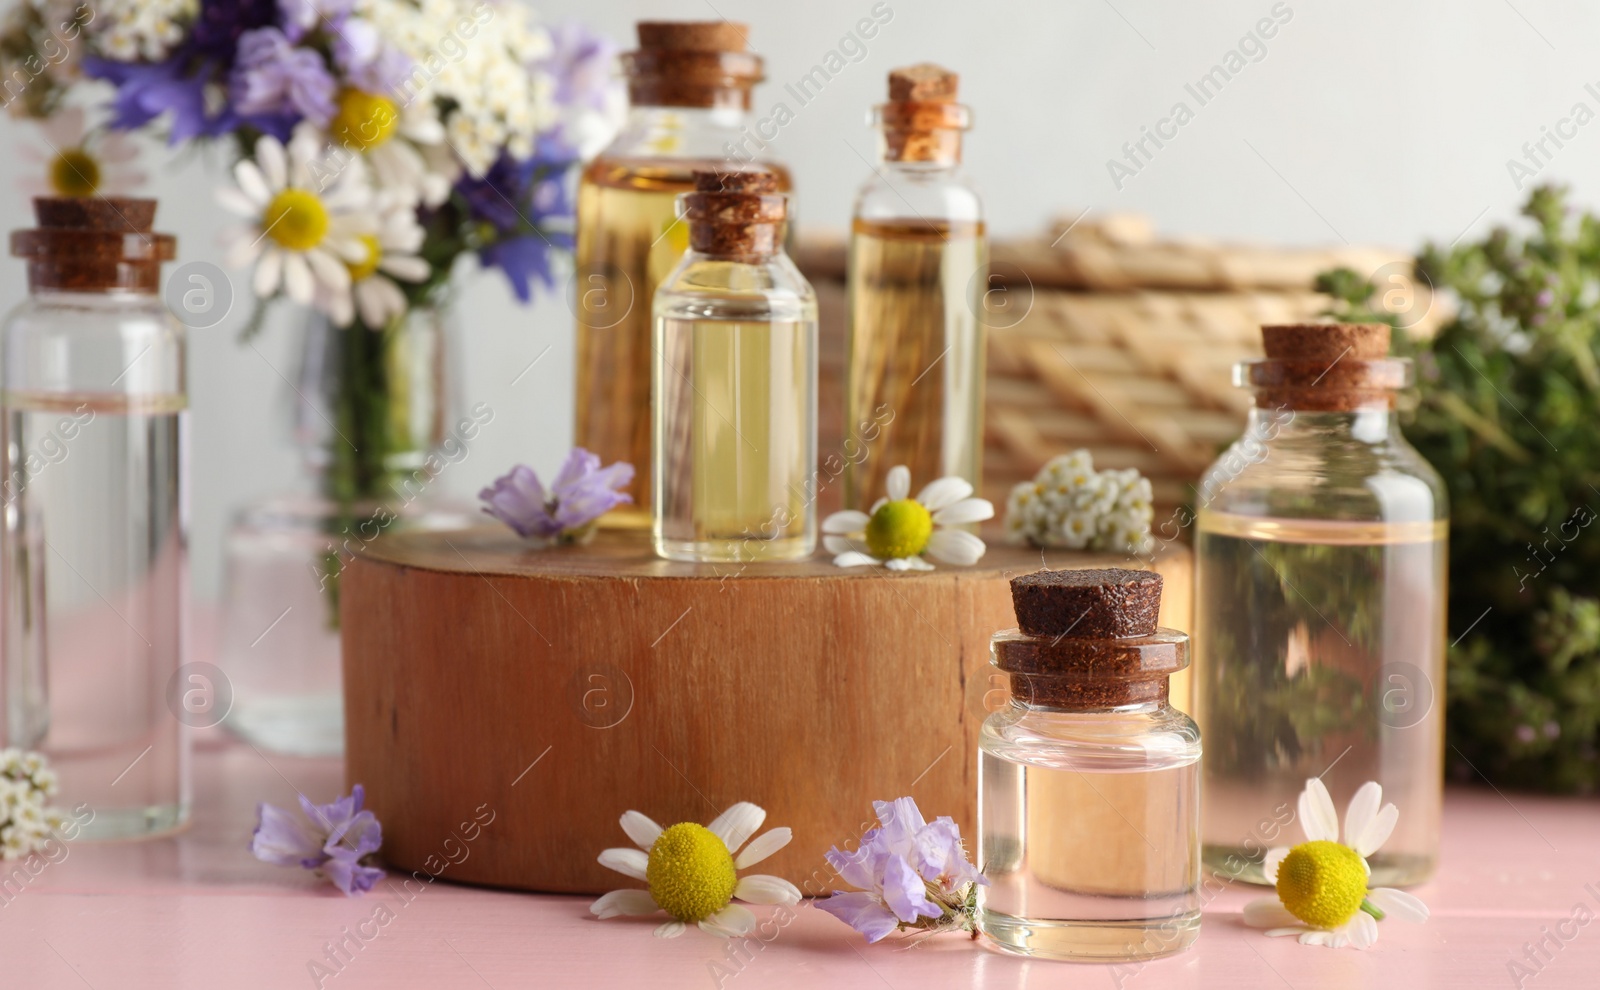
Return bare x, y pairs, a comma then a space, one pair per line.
1327, 342
923, 83
694, 36
735, 215
93, 244
1326, 367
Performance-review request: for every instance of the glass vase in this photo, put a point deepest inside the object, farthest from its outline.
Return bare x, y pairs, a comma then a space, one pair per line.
371, 412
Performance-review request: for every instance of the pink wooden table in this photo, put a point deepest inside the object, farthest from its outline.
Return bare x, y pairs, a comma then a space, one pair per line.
196, 910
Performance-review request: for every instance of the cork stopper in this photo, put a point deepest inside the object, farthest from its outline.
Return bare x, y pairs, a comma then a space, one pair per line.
703, 64
1088, 639
922, 122
93, 244
735, 215
1325, 367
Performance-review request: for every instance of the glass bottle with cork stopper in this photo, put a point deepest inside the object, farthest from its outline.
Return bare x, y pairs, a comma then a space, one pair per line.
95, 540
735, 383
1089, 780
1320, 553
689, 86
918, 254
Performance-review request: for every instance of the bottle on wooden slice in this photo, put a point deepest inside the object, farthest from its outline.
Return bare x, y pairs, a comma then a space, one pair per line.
735, 383
689, 88
917, 270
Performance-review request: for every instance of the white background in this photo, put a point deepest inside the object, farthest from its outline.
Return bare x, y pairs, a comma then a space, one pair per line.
1368, 122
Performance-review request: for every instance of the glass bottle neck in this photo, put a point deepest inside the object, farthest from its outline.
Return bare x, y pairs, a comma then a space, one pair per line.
1374, 424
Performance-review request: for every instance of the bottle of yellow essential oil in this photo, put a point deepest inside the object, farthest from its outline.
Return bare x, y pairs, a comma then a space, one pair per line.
735, 383
918, 255
1320, 577
689, 86
1089, 780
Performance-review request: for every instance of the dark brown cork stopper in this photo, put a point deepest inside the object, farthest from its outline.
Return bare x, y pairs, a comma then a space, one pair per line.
1100, 603
1089, 640
735, 215
692, 64
93, 244
1326, 367
922, 82
922, 122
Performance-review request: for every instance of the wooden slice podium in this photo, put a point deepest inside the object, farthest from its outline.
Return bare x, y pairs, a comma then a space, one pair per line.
505, 705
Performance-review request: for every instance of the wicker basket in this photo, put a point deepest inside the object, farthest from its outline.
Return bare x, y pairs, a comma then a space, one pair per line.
1126, 349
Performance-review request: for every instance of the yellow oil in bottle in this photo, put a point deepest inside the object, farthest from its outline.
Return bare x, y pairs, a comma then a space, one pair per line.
629, 238
916, 355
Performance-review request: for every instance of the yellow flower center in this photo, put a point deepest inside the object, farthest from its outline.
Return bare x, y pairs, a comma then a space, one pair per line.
899, 529
1322, 883
366, 266
364, 120
691, 872
74, 172
296, 219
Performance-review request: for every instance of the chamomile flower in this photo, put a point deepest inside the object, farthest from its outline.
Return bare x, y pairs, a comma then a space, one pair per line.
76, 162
309, 216
693, 872
1069, 504
391, 138
1322, 883
391, 253
900, 529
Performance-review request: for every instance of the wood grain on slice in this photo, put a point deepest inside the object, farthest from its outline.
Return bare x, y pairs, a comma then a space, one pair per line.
562, 687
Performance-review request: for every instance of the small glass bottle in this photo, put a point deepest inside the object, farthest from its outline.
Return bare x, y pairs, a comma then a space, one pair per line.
94, 544
1320, 546
1089, 781
735, 383
918, 254
689, 86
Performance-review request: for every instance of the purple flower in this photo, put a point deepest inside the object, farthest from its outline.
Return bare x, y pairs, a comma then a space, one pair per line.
913, 874
272, 76
519, 199
146, 91
582, 493
340, 835
366, 60
584, 66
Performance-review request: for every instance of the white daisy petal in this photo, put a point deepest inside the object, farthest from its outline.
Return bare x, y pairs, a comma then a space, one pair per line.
237, 203
763, 846
628, 862
269, 271
736, 825
251, 183
968, 510
848, 521
1268, 912
732, 921
836, 544
244, 252
1318, 818
328, 270
880, 503
624, 902
1377, 831
403, 267
1359, 813
944, 491
641, 828
855, 558
908, 564
1362, 930
297, 280
1398, 904
898, 485
955, 546
1300, 930
759, 888
1274, 859
269, 155
670, 929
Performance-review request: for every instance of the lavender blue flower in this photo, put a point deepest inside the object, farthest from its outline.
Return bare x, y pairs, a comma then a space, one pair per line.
339, 836
520, 200
582, 492
912, 873
273, 76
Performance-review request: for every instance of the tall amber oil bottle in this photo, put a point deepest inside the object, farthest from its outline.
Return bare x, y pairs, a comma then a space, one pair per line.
689, 86
918, 257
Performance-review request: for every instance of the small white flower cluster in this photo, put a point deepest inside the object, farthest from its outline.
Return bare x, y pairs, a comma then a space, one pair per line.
1070, 504
478, 59
129, 30
26, 821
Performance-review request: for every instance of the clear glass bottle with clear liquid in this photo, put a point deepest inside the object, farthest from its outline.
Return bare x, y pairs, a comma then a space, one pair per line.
918, 255
96, 517
735, 383
1320, 580
689, 90
1089, 780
